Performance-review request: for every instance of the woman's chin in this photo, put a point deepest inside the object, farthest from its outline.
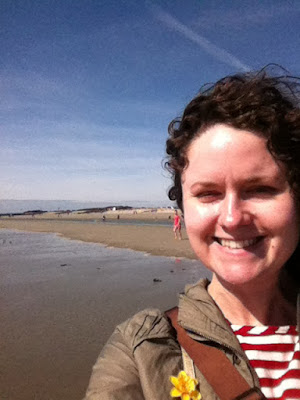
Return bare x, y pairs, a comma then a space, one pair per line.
240, 276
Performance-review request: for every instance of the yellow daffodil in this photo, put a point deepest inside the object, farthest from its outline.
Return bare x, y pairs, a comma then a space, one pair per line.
185, 387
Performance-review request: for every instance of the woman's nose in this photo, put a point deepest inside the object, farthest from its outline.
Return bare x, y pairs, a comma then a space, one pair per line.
232, 213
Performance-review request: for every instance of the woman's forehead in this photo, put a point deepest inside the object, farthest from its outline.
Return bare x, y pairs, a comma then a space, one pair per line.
224, 150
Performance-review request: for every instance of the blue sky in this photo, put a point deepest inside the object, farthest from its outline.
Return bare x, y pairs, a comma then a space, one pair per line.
88, 87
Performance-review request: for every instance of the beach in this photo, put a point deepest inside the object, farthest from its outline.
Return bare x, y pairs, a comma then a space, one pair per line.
61, 298
145, 231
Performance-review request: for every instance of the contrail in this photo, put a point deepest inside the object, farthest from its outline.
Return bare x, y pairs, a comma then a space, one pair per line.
205, 44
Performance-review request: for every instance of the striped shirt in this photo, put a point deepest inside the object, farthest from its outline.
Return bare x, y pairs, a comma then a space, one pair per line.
274, 353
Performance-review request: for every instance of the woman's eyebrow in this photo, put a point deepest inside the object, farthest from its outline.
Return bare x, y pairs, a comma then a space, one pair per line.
262, 179
202, 184
247, 180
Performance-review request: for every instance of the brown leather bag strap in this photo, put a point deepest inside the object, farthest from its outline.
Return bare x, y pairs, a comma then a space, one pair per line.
215, 366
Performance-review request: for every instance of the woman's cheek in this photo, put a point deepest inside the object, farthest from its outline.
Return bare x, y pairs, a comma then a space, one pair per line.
200, 215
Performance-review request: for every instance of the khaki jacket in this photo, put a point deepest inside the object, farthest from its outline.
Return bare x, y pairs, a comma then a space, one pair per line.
142, 353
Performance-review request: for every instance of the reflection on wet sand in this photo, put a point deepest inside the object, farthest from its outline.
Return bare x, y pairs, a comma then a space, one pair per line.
60, 300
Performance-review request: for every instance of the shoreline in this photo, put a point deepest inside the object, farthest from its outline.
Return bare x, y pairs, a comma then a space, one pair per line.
151, 239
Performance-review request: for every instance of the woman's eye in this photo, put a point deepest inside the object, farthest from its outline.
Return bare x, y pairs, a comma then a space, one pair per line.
208, 196
263, 190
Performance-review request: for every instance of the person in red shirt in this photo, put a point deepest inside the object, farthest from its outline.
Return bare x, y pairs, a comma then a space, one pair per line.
177, 226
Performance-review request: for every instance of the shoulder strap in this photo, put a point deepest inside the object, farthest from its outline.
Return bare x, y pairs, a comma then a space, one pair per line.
215, 366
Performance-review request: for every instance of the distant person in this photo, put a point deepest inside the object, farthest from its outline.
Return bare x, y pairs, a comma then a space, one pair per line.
103, 218
177, 226
234, 155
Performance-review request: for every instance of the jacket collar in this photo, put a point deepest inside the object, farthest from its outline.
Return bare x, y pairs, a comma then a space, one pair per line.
199, 314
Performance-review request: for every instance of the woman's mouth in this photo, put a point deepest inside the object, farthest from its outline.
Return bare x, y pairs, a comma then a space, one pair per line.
238, 244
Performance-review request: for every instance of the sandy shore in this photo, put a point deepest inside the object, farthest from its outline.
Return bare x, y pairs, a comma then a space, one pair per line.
61, 299
156, 240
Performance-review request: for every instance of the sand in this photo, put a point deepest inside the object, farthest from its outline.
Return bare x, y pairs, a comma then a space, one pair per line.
155, 240
61, 299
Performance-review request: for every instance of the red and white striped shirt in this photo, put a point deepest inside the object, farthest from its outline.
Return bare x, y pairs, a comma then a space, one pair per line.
274, 353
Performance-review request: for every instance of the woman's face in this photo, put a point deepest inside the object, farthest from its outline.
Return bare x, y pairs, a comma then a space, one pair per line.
239, 212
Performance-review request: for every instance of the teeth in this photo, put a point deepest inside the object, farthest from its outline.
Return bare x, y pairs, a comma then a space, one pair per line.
237, 244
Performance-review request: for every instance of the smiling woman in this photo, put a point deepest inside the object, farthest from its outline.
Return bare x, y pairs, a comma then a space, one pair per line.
238, 205
235, 160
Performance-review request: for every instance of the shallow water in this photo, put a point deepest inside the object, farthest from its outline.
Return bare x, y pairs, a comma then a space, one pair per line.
60, 300
108, 221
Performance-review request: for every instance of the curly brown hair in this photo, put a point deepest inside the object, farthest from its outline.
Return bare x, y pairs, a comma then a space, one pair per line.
261, 102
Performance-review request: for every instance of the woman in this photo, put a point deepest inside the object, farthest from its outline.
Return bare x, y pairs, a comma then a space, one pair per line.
177, 226
235, 159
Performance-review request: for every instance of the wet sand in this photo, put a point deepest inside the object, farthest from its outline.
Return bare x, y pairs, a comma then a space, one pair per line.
61, 299
154, 239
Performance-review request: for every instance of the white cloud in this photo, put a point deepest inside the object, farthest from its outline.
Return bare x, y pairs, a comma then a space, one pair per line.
215, 51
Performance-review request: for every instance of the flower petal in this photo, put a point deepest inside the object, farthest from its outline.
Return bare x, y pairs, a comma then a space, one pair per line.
182, 374
185, 396
190, 385
195, 395
175, 393
174, 381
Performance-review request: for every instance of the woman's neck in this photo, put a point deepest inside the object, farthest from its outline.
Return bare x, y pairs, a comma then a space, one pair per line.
253, 304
